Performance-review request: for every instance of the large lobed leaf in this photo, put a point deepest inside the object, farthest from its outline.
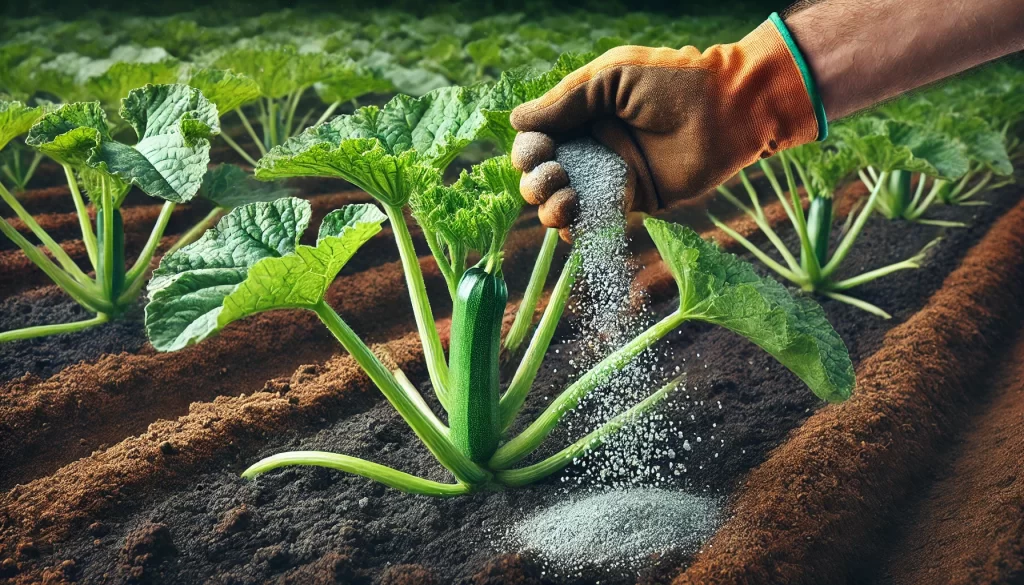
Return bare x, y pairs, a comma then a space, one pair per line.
227, 89
390, 152
897, 145
173, 123
719, 288
15, 119
279, 69
252, 262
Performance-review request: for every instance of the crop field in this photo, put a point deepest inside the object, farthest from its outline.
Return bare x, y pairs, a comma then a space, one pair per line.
273, 310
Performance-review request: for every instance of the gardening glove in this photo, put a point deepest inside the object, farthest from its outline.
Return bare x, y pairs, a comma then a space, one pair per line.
683, 121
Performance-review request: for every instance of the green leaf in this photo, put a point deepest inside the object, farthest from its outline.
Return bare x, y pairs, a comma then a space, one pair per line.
173, 123
984, 144
485, 52
477, 211
824, 166
122, 77
348, 147
228, 186
437, 125
719, 288
251, 262
15, 119
278, 69
385, 151
890, 145
71, 134
351, 82
227, 89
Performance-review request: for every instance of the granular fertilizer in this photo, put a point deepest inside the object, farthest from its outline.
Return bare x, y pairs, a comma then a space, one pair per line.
617, 528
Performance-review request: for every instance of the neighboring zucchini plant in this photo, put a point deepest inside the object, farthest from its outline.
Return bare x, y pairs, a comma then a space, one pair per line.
174, 124
821, 170
281, 75
252, 261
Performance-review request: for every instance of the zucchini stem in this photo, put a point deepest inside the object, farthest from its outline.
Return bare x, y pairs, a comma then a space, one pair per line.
409, 408
399, 480
433, 351
538, 471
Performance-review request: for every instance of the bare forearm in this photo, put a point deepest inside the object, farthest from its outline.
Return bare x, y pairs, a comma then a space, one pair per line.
862, 52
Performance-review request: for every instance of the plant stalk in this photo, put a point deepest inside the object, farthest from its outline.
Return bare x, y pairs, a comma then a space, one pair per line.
437, 442
533, 473
528, 306
84, 221
43, 330
381, 473
513, 399
433, 351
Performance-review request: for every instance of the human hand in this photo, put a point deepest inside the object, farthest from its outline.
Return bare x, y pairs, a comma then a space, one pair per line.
684, 121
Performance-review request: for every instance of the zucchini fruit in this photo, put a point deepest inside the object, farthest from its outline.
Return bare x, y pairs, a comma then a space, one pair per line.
113, 284
479, 306
819, 227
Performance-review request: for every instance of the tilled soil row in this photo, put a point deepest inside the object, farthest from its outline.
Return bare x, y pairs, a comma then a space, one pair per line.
969, 528
96, 403
107, 389
264, 536
817, 507
33, 515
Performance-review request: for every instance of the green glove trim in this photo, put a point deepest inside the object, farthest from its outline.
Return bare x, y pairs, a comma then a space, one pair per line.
805, 72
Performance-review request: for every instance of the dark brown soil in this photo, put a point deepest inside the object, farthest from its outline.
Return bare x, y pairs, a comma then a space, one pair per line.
302, 522
969, 528
45, 356
34, 414
816, 510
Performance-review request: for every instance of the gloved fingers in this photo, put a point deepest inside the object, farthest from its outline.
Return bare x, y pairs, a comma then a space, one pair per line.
560, 210
542, 182
530, 149
641, 194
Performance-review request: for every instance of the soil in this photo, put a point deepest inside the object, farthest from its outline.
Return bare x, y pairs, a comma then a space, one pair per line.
817, 510
178, 481
43, 357
969, 528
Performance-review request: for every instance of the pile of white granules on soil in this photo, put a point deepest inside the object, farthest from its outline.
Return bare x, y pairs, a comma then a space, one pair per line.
626, 517
619, 528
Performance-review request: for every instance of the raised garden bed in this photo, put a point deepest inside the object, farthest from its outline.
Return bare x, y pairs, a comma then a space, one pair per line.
167, 503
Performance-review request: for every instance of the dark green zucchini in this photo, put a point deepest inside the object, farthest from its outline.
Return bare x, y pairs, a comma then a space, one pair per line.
113, 284
473, 358
819, 227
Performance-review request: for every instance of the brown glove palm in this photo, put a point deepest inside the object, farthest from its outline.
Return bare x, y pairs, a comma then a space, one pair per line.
684, 121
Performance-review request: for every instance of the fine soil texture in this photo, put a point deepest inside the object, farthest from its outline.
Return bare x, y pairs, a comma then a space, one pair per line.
156, 496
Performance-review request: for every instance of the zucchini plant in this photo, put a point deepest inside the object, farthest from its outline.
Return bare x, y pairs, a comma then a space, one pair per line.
252, 261
173, 124
15, 119
891, 152
282, 75
821, 170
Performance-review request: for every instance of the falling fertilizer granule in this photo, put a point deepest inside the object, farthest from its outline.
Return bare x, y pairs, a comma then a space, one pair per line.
618, 528
607, 318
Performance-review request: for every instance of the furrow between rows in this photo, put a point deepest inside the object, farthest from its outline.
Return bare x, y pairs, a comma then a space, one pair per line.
816, 507
90, 404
